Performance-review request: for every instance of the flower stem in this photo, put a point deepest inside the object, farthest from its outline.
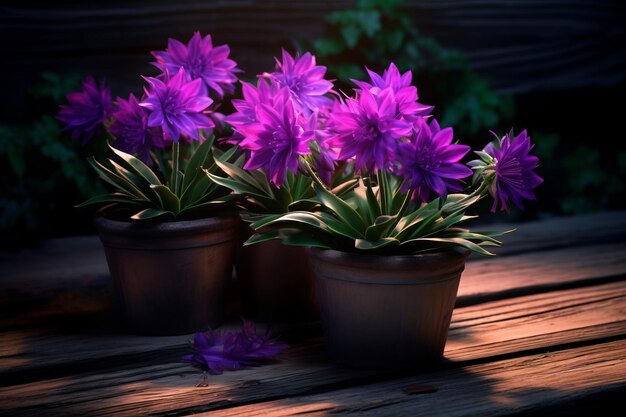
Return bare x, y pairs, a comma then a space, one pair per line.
385, 192
174, 177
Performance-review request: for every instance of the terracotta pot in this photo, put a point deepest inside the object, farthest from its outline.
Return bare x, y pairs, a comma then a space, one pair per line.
276, 283
387, 312
170, 277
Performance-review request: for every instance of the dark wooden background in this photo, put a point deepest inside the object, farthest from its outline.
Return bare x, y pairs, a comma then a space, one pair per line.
521, 46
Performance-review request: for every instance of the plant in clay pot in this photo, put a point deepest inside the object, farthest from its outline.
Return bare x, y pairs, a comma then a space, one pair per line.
389, 251
167, 229
276, 283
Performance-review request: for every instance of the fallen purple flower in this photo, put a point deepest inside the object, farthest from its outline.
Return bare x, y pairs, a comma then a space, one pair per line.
217, 352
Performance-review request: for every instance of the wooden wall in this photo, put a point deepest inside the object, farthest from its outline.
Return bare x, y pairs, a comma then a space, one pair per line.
519, 45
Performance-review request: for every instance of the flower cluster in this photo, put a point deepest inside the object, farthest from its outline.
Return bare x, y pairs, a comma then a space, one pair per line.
176, 104
369, 171
409, 177
278, 118
177, 110
217, 352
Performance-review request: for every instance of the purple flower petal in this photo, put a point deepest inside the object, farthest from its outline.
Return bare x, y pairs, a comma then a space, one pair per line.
201, 61
305, 81
175, 106
514, 177
429, 162
131, 130
86, 110
217, 352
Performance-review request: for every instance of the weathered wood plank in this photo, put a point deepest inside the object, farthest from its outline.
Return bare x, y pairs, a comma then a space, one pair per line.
491, 330
529, 273
525, 384
483, 280
562, 232
537, 321
69, 276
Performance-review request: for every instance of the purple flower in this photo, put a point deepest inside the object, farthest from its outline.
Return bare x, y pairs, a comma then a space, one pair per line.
514, 177
405, 94
246, 114
259, 347
87, 109
369, 128
176, 106
131, 130
200, 60
305, 81
218, 352
430, 161
277, 138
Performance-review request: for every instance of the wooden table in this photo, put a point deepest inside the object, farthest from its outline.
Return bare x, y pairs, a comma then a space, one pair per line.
539, 330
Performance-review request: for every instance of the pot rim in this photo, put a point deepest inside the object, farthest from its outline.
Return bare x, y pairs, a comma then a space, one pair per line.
359, 268
341, 257
180, 227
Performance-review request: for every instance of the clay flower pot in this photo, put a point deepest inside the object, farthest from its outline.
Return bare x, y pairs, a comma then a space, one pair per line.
387, 312
277, 284
170, 277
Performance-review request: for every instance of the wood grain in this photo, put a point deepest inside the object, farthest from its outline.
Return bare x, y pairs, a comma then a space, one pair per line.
524, 384
69, 277
149, 378
520, 46
501, 277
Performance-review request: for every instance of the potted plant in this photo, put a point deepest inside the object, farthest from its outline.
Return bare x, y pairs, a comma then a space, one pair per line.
388, 254
167, 229
276, 282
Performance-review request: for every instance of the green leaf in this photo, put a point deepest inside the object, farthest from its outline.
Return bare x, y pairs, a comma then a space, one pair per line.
473, 237
305, 204
342, 209
328, 46
381, 227
370, 22
372, 201
152, 213
198, 210
263, 237
264, 221
338, 227
196, 162
259, 183
305, 238
169, 200
450, 241
304, 217
121, 184
413, 221
351, 34
238, 187
363, 244
139, 167
109, 198
140, 185
345, 187
385, 190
